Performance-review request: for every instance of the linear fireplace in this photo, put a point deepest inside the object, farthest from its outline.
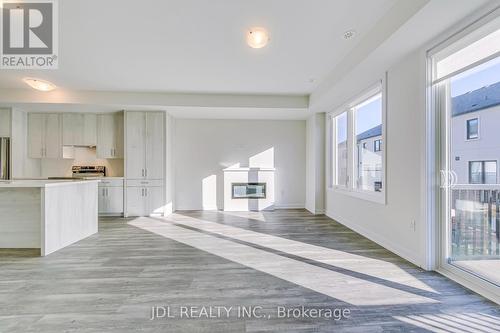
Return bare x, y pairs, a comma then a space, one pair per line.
248, 190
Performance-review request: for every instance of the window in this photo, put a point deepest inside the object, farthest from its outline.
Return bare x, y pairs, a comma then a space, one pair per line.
356, 142
368, 126
340, 125
482, 172
472, 129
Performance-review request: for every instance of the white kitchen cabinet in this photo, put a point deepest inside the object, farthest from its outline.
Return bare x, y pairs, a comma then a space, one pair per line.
145, 134
144, 163
136, 145
136, 204
110, 135
111, 197
5, 123
79, 129
144, 201
44, 132
155, 143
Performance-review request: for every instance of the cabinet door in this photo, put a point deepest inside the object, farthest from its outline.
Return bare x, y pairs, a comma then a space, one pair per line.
155, 143
105, 135
103, 207
89, 130
118, 136
72, 129
135, 201
36, 124
135, 132
114, 200
155, 202
53, 148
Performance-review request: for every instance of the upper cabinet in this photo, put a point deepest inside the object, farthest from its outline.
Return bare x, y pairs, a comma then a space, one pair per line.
110, 135
44, 135
145, 133
79, 129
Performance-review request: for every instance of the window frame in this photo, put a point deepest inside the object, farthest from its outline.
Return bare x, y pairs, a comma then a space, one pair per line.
467, 138
379, 147
483, 171
380, 87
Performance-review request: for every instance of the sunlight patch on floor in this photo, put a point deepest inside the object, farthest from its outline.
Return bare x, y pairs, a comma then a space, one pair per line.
356, 263
356, 291
456, 323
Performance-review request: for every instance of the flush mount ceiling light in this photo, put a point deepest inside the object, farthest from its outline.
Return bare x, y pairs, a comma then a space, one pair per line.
257, 37
38, 84
349, 34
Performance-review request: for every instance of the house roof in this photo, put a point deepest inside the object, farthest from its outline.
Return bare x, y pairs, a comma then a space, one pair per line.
375, 131
479, 99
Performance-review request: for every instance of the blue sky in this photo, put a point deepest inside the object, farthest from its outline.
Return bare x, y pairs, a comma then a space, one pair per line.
476, 78
369, 116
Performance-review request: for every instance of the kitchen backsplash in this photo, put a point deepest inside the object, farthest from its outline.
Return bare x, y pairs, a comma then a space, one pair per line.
82, 156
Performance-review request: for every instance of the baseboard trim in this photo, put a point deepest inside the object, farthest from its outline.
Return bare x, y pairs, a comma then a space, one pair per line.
289, 206
377, 238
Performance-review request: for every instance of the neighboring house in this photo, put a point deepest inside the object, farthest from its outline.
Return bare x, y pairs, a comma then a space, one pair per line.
475, 136
369, 159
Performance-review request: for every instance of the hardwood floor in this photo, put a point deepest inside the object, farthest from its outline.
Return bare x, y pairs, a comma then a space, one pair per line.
267, 262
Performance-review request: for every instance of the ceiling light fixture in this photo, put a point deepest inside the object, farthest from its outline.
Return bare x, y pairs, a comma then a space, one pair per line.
257, 37
349, 34
38, 84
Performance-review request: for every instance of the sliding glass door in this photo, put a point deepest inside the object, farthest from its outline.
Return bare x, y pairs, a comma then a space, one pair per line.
466, 96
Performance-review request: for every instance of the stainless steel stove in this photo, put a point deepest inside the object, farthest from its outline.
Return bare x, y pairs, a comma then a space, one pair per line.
88, 171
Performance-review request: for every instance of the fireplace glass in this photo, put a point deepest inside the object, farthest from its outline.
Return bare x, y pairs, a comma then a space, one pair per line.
248, 190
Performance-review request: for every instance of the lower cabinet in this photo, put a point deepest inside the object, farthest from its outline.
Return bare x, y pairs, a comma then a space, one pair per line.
144, 200
110, 200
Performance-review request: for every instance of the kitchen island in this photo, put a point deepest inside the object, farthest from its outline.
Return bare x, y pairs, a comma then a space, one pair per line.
46, 214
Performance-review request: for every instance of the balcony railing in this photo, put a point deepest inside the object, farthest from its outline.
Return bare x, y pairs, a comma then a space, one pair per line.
475, 221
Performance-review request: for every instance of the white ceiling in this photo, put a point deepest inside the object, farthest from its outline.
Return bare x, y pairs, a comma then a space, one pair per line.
198, 46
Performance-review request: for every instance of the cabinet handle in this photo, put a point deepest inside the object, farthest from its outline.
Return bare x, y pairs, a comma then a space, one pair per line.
142, 192
145, 172
142, 172
103, 192
107, 193
146, 190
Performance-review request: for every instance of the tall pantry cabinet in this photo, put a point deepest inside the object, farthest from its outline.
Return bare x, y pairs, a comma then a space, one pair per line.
144, 163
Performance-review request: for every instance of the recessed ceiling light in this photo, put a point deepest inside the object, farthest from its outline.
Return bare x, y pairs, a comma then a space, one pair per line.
38, 84
349, 34
257, 37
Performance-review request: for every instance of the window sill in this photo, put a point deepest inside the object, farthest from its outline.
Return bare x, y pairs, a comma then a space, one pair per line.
376, 197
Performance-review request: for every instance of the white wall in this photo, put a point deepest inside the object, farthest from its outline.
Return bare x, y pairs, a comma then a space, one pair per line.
204, 147
391, 224
315, 163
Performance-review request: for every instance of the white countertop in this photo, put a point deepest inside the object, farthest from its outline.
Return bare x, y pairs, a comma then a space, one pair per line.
43, 182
